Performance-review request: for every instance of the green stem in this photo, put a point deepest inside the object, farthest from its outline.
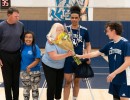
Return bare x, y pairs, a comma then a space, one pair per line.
77, 60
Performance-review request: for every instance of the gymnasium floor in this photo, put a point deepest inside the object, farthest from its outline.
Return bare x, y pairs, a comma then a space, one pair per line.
98, 83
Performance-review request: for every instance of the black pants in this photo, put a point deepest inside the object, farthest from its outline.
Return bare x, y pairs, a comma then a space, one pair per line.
10, 72
54, 78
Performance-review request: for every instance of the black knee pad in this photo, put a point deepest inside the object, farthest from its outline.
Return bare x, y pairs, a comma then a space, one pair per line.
116, 97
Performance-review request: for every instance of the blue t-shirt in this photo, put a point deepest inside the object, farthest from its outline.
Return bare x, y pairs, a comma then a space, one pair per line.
116, 53
28, 57
79, 37
57, 64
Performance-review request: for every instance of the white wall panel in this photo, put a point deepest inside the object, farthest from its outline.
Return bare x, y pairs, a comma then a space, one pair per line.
93, 3
29, 3
111, 3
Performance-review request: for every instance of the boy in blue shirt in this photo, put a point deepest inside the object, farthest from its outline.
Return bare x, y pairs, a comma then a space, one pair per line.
81, 41
118, 52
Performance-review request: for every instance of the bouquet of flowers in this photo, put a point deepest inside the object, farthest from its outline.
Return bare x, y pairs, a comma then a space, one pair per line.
63, 41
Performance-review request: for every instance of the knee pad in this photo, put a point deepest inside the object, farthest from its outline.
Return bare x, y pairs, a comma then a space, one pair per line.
116, 97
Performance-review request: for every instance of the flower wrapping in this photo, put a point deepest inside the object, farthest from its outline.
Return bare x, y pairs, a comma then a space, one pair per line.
63, 41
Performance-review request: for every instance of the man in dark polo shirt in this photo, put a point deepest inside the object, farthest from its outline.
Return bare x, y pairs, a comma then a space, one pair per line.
11, 31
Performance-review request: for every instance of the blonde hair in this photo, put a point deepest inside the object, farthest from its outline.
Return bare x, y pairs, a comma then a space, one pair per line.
52, 33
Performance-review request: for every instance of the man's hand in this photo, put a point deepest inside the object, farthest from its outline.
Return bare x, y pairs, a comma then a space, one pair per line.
1, 64
89, 61
111, 76
79, 56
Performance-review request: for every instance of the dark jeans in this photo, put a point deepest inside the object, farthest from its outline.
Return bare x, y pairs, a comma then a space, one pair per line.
10, 72
54, 78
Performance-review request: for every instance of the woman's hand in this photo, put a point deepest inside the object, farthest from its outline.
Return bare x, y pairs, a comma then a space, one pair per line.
28, 70
70, 53
49, 39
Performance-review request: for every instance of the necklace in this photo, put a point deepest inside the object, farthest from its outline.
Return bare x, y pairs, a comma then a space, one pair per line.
76, 38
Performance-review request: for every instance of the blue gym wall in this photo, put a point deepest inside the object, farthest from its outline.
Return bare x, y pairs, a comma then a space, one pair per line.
95, 28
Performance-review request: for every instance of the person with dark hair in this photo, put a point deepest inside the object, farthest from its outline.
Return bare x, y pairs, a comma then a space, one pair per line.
81, 41
118, 52
30, 68
11, 32
53, 63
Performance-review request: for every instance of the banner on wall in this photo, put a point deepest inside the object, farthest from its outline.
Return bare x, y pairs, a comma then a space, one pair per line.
60, 9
